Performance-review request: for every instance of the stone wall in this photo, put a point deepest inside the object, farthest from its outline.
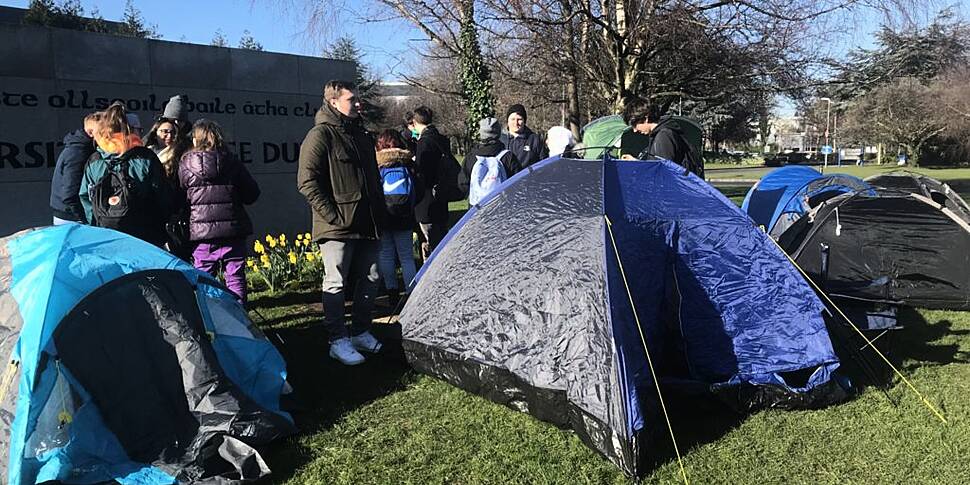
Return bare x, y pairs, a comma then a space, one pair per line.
51, 78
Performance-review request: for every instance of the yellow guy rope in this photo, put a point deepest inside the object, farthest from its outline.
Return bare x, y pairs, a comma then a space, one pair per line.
854, 327
656, 381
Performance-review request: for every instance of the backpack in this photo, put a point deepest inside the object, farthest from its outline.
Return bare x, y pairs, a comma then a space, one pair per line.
399, 194
487, 174
116, 200
691, 135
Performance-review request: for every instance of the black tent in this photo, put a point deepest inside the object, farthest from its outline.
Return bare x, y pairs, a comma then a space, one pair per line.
896, 247
916, 183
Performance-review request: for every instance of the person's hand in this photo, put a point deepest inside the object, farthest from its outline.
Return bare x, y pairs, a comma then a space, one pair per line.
425, 250
627, 157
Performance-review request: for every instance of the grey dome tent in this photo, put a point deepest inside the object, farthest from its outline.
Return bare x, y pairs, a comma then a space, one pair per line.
548, 293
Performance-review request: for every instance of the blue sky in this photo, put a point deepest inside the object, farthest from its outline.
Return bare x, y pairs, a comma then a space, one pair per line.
280, 25
279, 29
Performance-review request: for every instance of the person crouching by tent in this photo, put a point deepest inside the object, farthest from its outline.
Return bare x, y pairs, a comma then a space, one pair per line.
401, 191
217, 186
123, 187
69, 170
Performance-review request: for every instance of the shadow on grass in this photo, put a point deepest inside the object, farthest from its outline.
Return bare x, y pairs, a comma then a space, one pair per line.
325, 390
916, 344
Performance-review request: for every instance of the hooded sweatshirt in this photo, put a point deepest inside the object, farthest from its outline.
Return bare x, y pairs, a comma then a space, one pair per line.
66, 183
338, 176
216, 187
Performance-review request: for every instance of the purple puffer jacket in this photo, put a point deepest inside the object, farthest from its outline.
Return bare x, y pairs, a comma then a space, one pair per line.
216, 186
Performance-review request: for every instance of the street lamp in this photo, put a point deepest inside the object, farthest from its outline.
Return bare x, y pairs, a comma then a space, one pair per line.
828, 110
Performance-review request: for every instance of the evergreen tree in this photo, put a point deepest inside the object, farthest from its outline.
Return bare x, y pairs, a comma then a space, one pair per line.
474, 74
133, 25
219, 39
368, 84
247, 41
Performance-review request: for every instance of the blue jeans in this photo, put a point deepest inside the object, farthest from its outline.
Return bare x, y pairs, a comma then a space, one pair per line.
397, 246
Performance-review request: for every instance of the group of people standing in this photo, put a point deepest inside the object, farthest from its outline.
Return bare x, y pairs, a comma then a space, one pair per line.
179, 188
370, 197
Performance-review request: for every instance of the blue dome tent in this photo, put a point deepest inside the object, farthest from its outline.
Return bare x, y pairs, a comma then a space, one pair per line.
127, 364
785, 194
549, 293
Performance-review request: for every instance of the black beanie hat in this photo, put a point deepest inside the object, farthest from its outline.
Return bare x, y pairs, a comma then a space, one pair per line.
516, 108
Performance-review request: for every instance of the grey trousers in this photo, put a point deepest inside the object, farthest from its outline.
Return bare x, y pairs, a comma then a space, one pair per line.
349, 260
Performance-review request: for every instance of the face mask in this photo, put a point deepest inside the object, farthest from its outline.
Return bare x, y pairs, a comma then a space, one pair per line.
414, 133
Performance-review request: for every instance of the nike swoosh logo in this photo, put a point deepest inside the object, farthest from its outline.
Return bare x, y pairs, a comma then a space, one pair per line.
390, 187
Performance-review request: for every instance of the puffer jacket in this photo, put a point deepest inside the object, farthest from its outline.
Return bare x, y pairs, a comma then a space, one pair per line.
66, 183
399, 157
338, 176
216, 187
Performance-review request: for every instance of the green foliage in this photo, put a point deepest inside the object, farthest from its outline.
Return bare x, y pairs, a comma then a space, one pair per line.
368, 83
133, 25
282, 263
68, 15
219, 39
473, 73
247, 41
921, 54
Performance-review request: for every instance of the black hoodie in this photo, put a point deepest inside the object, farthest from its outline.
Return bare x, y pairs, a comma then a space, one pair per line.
68, 172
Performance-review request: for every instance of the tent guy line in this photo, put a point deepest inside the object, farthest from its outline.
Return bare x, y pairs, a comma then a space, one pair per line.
643, 339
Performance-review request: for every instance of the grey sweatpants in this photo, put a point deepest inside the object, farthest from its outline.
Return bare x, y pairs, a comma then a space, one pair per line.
349, 260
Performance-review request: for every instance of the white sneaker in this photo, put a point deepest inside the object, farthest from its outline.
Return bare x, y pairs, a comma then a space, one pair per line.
366, 342
343, 350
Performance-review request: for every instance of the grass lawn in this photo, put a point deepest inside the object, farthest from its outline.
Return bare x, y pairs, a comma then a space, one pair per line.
382, 423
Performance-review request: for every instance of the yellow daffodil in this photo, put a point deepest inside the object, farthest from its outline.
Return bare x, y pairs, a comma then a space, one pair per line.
306, 236
269, 238
250, 263
292, 257
266, 264
272, 243
299, 237
311, 257
282, 237
258, 247
264, 259
255, 269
